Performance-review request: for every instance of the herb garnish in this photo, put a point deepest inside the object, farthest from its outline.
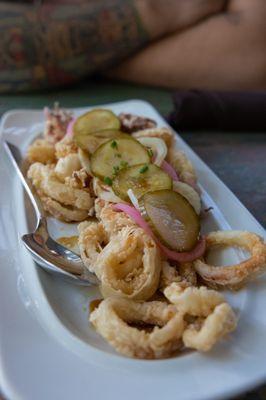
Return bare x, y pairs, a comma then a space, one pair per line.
108, 181
150, 152
115, 169
123, 164
143, 169
114, 144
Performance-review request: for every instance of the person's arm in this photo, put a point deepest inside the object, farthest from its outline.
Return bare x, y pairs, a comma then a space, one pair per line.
226, 52
63, 40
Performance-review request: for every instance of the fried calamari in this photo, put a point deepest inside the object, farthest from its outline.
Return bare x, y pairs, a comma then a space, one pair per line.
233, 276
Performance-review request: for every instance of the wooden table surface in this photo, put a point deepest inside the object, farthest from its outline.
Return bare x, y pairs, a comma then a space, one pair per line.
239, 159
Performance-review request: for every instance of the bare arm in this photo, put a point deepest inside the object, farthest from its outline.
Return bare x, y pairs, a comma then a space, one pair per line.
226, 51
63, 40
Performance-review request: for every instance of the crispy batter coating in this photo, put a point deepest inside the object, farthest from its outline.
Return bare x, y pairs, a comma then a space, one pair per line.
219, 323
44, 178
80, 180
63, 213
129, 266
66, 166
198, 316
163, 133
233, 276
65, 147
214, 318
198, 302
113, 221
92, 239
41, 151
113, 317
184, 274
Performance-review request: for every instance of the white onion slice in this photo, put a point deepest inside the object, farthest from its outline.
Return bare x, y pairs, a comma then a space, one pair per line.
189, 193
133, 198
85, 161
105, 192
157, 146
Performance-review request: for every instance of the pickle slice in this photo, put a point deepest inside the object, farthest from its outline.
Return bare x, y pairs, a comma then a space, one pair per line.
96, 120
117, 154
172, 219
90, 142
141, 178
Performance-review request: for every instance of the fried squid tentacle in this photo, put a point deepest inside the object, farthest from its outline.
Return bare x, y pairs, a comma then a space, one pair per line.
58, 197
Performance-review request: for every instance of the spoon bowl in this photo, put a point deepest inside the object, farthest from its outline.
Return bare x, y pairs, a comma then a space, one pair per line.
48, 254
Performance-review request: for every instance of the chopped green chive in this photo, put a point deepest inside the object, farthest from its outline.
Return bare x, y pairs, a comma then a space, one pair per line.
115, 169
108, 181
150, 152
143, 169
123, 164
114, 144
118, 155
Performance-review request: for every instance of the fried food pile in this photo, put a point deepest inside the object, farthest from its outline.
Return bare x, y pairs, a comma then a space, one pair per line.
138, 205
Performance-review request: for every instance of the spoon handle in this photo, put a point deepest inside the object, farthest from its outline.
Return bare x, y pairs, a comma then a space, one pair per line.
16, 158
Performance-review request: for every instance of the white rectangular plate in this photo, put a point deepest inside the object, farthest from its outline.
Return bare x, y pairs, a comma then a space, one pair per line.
48, 350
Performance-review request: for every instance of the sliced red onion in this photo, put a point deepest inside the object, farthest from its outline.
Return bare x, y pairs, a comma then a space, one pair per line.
136, 216
183, 257
192, 255
69, 132
169, 170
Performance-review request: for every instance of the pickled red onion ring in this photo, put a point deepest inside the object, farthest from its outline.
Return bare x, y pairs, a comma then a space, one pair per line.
183, 257
173, 174
169, 170
136, 216
69, 132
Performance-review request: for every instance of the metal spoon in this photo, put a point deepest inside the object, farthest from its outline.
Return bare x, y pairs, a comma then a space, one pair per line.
47, 253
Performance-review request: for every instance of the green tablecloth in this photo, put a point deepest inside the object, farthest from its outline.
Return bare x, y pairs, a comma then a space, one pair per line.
239, 159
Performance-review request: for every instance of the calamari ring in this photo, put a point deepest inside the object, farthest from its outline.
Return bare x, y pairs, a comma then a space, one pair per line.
41, 151
44, 178
129, 266
183, 274
57, 210
198, 302
65, 147
165, 134
233, 276
202, 303
182, 165
113, 317
92, 239
66, 166
218, 324
188, 274
113, 221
